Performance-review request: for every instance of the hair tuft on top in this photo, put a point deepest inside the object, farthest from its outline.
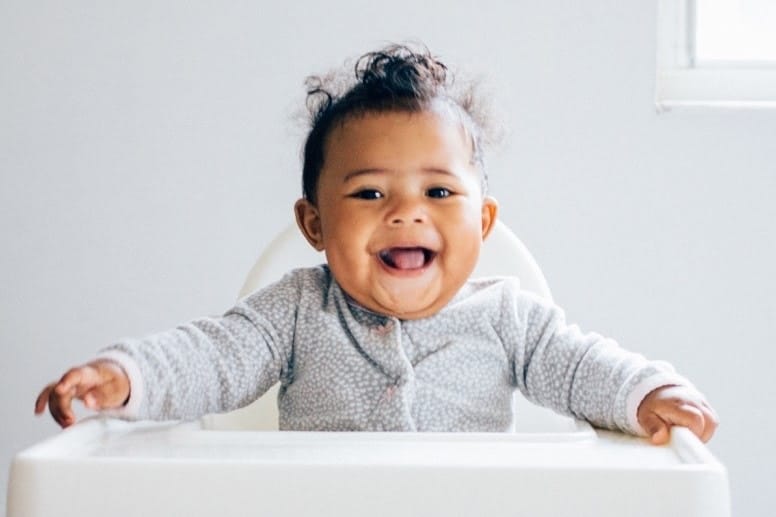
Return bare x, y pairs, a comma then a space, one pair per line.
398, 72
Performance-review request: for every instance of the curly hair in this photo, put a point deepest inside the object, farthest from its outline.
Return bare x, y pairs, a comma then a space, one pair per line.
396, 78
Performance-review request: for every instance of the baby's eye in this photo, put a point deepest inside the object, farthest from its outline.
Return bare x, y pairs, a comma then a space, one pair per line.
439, 192
367, 193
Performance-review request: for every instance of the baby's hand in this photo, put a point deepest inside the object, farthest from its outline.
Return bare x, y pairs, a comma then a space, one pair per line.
676, 405
100, 385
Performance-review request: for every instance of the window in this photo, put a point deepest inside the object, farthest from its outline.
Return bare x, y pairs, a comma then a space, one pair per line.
716, 53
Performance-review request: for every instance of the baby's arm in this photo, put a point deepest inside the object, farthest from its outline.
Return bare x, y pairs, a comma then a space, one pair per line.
676, 405
99, 385
591, 378
206, 366
209, 365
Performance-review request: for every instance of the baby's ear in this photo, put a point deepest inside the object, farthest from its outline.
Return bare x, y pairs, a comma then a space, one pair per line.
309, 222
489, 214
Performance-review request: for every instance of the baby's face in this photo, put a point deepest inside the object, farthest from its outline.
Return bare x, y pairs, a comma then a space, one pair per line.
400, 212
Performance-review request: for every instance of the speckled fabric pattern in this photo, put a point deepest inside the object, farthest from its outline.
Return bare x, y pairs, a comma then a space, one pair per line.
344, 368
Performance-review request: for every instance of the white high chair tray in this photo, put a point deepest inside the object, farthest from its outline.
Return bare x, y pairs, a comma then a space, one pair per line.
110, 467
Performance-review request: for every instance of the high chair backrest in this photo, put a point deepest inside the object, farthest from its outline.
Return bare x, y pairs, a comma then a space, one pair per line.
503, 254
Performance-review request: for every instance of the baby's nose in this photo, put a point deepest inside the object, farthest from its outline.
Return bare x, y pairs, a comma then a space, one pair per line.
406, 212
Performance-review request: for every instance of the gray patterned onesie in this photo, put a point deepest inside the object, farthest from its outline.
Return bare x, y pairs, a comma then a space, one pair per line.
344, 368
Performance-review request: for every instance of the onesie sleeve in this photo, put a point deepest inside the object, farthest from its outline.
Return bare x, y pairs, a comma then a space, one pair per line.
212, 364
584, 375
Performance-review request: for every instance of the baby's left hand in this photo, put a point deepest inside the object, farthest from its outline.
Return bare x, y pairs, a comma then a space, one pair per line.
676, 405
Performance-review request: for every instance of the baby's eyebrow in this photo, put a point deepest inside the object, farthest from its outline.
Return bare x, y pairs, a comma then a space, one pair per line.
437, 170
360, 172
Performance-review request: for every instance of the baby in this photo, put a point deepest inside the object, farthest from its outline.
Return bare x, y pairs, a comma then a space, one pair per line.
390, 334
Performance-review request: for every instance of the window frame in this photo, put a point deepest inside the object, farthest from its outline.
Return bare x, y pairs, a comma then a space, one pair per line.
682, 82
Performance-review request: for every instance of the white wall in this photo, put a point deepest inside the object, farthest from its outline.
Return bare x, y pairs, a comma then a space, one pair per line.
148, 151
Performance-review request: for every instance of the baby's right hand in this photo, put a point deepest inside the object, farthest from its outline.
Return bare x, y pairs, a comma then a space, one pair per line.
99, 385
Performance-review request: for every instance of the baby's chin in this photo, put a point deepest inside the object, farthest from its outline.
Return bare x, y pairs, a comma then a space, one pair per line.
407, 308
403, 298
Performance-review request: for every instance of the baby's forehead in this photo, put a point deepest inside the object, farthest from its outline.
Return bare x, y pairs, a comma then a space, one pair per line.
375, 128
398, 145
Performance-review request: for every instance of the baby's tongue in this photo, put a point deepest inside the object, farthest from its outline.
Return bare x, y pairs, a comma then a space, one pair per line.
405, 258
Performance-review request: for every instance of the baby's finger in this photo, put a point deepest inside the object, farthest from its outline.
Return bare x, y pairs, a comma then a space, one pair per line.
60, 410
70, 381
93, 400
42, 400
60, 404
688, 416
711, 422
656, 428
101, 397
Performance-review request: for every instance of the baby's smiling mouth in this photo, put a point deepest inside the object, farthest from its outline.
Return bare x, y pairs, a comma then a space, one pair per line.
406, 258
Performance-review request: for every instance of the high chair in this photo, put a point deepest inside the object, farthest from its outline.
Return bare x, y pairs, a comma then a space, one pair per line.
550, 465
